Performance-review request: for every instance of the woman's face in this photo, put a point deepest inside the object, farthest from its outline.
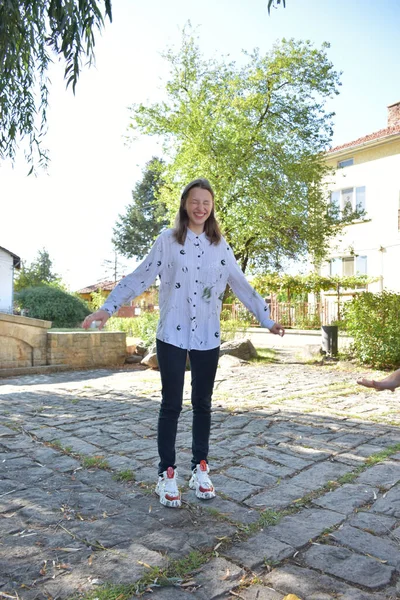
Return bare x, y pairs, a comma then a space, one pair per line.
199, 205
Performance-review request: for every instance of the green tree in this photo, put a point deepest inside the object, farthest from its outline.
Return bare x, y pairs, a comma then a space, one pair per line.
258, 132
39, 272
145, 217
31, 32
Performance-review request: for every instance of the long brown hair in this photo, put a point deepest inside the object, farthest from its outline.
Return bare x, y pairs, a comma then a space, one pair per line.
211, 227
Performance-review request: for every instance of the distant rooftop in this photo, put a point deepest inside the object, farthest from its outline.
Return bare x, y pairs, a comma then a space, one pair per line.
104, 286
393, 128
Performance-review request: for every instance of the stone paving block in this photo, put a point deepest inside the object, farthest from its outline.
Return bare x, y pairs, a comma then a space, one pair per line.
112, 532
77, 445
6, 432
257, 426
347, 498
377, 524
347, 565
385, 474
259, 592
265, 467
277, 497
92, 503
233, 511
259, 549
304, 526
381, 548
282, 458
311, 449
122, 463
170, 542
237, 442
217, 578
236, 422
351, 440
318, 475
233, 488
32, 475
252, 476
311, 585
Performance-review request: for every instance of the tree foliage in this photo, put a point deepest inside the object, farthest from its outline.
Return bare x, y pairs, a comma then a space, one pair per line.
52, 304
145, 217
39, 272
275, 4
299, 285
373, 321
31, 32
258, 132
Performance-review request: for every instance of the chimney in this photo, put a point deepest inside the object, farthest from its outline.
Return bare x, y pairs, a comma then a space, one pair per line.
394, 115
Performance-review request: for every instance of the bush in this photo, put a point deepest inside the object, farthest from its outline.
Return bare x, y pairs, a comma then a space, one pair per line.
373, 320
231, 327
143, 327
52, 304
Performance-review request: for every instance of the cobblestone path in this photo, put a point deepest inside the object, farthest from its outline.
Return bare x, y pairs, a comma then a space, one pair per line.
306, 465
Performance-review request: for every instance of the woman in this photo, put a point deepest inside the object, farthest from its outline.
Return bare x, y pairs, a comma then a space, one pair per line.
194, 264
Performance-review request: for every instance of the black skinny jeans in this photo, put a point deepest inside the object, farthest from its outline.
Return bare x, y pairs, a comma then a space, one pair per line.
172, 364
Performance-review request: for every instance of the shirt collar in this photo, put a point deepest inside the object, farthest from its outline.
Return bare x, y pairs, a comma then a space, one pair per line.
193, 236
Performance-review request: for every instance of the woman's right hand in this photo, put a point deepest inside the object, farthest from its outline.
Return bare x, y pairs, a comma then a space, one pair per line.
100, 316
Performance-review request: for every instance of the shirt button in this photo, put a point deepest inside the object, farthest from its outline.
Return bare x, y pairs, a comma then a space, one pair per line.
197, 281
194, 306
198, 267
195, 293
192, 329
198, 256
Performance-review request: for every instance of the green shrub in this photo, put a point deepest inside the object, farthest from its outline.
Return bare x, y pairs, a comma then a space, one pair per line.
143, 326
373, 320
51, 303
231, 327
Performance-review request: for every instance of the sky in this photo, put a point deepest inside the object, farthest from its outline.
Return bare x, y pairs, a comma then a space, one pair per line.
71, 209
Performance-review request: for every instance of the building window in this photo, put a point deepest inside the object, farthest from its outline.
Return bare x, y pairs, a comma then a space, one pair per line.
348, 266
349, 162
349, 199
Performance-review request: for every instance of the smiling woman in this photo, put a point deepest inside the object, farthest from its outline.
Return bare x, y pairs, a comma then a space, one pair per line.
195, 264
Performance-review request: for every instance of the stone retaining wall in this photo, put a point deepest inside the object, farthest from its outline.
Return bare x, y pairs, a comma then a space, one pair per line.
86, 348
23, 341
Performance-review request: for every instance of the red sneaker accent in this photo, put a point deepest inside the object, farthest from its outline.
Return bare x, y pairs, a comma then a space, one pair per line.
203, 465
171, 475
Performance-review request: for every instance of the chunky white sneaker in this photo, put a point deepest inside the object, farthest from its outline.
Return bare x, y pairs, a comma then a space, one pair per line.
201, 482
167, 489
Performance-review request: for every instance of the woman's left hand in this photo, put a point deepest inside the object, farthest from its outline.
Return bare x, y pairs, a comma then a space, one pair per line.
277, 329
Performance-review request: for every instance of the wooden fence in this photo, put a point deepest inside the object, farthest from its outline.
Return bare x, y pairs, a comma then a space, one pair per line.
300, 315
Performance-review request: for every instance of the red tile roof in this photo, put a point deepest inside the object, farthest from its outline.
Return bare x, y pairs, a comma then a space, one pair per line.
382, 133
106, 286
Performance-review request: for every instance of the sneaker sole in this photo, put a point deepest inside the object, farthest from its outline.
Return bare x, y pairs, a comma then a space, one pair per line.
201, 495
168, 503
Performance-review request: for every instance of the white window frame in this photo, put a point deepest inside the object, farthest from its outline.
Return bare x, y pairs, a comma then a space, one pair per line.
338, 198
347, 162
334, 263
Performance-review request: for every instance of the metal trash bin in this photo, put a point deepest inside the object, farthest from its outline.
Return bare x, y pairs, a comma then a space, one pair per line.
330, 339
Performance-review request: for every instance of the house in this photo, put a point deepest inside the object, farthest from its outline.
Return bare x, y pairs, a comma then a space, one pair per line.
147, 301
367, 176
8, 263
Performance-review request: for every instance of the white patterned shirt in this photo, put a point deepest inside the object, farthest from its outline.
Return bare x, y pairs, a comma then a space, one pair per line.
193, 278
